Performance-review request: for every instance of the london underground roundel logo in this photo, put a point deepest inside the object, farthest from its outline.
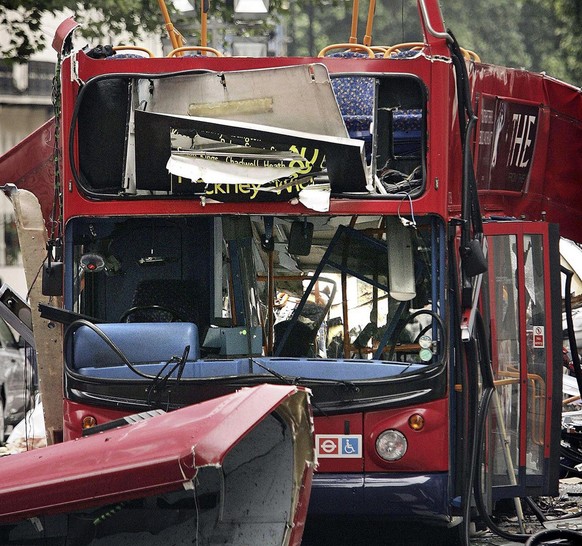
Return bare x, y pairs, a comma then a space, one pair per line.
339, 446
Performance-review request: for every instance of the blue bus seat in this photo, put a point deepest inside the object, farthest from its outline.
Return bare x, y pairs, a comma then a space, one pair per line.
141, 343
355, 98
407, 132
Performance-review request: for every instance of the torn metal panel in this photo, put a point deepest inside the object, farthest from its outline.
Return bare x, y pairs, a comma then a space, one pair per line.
33, 238
342, 159
233, 470
234, 168
291, 97
30, 165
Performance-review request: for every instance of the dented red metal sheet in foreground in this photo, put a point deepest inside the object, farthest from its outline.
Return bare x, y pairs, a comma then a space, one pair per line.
236, 469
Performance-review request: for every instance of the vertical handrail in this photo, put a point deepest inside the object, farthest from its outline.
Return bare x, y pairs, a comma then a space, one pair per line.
270, 303
346, 327
175, 37
204, 23
370, 23
505, 442
354, 32
427, 24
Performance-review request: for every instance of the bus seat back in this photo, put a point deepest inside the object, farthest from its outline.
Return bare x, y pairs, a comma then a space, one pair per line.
141, 343
355, 98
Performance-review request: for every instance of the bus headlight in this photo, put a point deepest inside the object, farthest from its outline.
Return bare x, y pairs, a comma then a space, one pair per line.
391, 445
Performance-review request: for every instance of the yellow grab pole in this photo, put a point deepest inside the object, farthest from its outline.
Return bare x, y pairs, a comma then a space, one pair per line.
354, 35
204, 23
370, 23
174, 35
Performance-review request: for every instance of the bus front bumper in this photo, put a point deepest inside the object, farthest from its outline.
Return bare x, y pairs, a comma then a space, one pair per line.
396, 496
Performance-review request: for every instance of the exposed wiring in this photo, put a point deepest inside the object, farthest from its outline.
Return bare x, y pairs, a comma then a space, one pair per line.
405, 221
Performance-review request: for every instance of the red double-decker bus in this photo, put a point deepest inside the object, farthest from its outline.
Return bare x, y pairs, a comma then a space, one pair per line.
377, 224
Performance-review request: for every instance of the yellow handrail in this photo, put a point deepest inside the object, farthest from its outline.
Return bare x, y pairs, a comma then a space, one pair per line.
471, 55
180, 50
363, 47
418, 46
411, 46
538, 396
133, 48
203, 23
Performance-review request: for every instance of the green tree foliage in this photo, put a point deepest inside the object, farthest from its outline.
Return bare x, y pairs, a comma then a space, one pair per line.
317, 24
534, 34
20, 21
568, 36
539, 35
490, 29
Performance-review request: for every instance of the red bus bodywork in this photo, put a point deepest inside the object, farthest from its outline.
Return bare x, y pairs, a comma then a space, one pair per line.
166, 456
526, 159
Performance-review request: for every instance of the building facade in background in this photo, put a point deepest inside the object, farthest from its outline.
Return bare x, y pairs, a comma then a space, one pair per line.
25, 104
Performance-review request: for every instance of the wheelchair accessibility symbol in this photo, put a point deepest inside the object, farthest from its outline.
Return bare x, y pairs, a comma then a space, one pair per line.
338, 446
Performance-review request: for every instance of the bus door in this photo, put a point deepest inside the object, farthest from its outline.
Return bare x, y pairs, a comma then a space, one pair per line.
522, 312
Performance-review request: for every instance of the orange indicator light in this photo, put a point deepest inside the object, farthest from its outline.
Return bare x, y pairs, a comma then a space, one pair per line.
88, 422
416, 421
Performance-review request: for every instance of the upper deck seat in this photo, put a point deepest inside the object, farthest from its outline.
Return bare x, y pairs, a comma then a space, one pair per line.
109, 52
407, 131
405, 54
121, 56
355, 98
407, 120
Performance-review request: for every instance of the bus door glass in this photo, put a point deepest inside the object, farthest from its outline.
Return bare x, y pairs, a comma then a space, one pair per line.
520, 281
506, 357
